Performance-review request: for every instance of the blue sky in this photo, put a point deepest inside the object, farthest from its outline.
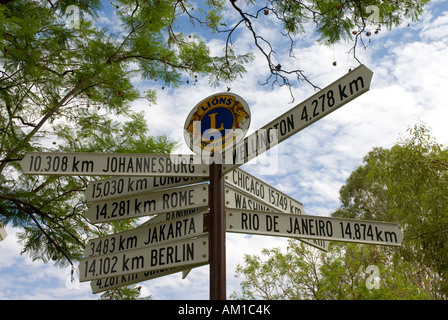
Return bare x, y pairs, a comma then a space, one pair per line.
409, 85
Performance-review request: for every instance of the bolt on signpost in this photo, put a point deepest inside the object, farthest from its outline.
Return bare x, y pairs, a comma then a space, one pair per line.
213, 125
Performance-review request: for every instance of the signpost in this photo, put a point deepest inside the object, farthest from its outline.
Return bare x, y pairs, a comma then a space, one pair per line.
191, 219
120, 164
174, 254
319, 105
213, 125
148, 204
314, 227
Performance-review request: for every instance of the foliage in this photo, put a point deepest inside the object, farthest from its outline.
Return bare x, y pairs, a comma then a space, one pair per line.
406, 184
342, 273
355, 22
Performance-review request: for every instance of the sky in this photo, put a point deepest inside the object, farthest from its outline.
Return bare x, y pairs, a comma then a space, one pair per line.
409, 85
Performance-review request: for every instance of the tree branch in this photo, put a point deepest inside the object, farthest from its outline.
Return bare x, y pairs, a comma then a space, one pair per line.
3, 2
30, 210
37, 127
275, 68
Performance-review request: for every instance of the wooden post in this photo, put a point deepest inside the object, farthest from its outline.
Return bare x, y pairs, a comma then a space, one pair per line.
217, 231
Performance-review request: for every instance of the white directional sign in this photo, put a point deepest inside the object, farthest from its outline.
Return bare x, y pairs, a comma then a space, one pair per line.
119, 164
240, 201
148, 204
262, 191
148, 235
181, 253
125, 186
319, 105
104, 284
313, 227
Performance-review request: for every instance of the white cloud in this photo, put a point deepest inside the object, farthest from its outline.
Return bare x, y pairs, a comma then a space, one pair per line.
24, 279
436, 30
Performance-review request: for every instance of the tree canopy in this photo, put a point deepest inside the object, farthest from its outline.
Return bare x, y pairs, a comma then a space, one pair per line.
66, 84
407, 184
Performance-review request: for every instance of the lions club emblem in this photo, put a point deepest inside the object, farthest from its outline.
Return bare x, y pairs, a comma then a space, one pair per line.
217, 122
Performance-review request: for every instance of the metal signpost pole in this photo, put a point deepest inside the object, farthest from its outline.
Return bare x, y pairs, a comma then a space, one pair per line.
217, 232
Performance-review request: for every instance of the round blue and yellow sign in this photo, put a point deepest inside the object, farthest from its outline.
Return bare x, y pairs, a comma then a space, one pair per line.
217, 122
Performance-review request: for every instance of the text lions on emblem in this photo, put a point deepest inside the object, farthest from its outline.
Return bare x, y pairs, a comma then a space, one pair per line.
217, 122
